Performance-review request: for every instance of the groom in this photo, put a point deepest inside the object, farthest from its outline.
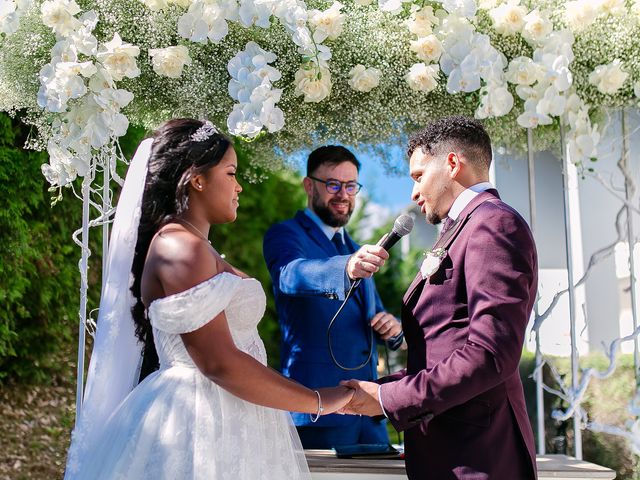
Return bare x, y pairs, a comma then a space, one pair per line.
460, 399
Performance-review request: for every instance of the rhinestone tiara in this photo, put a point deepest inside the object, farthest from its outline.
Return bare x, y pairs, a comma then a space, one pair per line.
204, 132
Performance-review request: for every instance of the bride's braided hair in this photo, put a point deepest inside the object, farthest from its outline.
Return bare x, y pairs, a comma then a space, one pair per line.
175, 158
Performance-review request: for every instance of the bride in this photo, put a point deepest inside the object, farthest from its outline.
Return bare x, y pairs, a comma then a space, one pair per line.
214, 410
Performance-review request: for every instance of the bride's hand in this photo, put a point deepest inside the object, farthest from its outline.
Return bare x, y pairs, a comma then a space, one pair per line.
334, 398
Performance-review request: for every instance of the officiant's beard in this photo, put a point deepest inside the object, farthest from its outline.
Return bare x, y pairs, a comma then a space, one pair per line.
329, 217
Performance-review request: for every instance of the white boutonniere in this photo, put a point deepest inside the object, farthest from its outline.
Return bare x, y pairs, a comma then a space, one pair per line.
432, 261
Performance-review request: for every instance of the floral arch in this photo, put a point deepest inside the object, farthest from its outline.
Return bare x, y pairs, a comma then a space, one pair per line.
287, 74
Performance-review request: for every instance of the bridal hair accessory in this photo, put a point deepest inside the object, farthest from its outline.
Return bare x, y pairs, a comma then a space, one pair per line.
320, 408
204, 132
432, 261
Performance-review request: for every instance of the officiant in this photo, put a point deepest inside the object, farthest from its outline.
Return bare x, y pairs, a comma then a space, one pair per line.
312, 261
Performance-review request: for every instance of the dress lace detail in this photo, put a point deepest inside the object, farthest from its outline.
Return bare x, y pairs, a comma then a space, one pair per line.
178, 424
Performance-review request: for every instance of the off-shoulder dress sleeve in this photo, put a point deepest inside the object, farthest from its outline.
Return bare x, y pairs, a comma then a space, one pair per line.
191, 309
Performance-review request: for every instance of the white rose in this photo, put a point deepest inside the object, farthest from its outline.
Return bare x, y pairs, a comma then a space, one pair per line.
609, 78
635, 8
364, 79
523, 71
423, 78
422, 21
170, 61
119, 58
537, 27
327, 24
313, 88
579, 14
508, 18
427, 48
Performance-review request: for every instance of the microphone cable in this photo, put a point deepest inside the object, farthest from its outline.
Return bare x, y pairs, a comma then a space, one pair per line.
370, 342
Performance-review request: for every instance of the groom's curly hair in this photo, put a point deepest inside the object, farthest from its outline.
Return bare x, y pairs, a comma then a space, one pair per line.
454, 132
175, 157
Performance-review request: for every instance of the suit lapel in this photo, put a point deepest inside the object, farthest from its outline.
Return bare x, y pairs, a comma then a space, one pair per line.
314, 233
447, 239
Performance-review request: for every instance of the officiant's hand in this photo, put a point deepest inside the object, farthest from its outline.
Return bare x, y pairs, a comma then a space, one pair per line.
335, 398
366, 261
386, 325
365, 399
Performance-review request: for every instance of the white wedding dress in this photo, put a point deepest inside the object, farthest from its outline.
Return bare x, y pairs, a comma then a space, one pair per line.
177, 424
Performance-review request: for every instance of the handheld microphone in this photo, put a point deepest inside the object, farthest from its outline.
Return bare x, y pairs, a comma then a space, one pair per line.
401, 227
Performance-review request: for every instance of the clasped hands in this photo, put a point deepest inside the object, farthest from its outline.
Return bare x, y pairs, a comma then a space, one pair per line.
353, 397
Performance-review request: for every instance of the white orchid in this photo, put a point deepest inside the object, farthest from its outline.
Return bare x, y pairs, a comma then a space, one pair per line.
461, 8
393, 7
327, 24
530, 118
523, 71
119, 58
62, 82
251, 86
495, 101
82, 39
9, 18
255, 13
423, 78
552, 102
244, 120
203, 21
59, 16
170, 61
427, 48
363, 79
609, 78
509, 17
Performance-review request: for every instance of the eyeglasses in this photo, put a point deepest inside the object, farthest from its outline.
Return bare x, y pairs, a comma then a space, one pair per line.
334, 186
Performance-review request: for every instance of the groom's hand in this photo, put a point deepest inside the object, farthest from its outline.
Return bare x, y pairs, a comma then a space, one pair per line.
365, 399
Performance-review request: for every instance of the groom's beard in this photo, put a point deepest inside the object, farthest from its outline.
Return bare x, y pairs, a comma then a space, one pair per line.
329, 217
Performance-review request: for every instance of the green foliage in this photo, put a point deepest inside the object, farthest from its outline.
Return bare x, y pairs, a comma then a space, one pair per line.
38, 275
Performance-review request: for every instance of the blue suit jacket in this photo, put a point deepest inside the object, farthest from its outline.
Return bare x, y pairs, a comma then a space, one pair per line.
309, 285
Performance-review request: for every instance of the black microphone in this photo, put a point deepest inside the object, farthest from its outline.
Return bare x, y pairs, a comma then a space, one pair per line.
401, 227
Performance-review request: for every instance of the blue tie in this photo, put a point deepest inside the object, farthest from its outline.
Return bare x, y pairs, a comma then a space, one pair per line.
339, 244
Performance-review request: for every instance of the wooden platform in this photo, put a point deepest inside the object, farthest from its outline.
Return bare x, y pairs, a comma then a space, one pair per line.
325, 466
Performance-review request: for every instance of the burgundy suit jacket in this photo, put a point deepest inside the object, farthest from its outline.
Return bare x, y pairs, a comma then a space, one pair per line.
460, 399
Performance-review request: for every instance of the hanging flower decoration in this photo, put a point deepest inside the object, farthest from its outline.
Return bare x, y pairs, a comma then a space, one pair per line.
289, 68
